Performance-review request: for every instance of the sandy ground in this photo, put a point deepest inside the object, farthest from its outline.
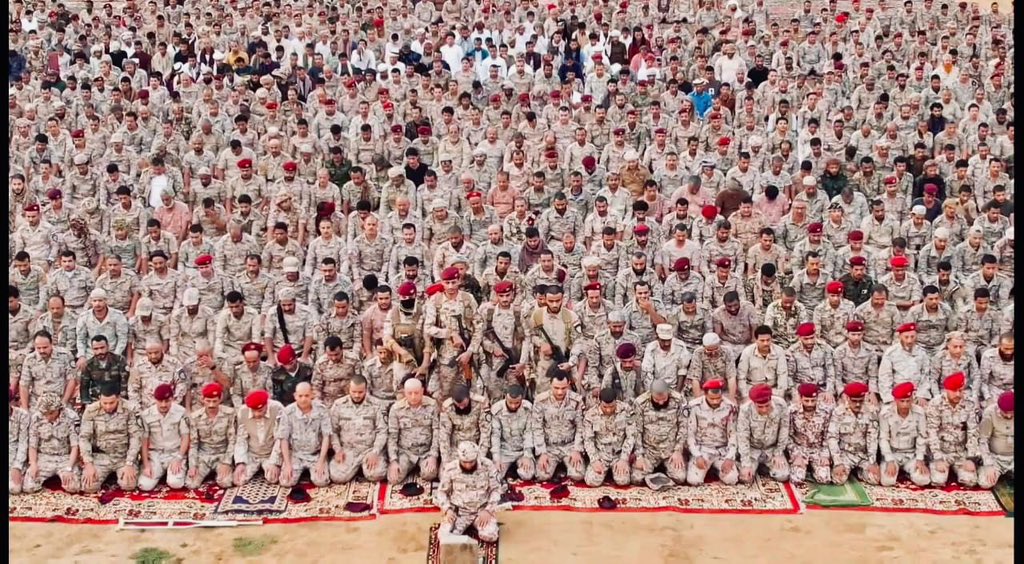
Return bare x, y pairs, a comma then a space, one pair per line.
541, 537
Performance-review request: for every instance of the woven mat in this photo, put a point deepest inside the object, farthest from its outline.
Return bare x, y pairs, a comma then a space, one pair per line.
908, 498
1004, 495
488, 550
764, 496
850, 494
254, 497
53, 504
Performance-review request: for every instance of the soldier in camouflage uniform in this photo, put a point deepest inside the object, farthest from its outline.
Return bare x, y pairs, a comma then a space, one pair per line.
692, 321
449, 317
711, 436
332, 371
557, 427
403, 336
155, 369
212, 436
665, 359
288, 374
952, 422
908, 361
256, 446
359, 436
146, 325
811, 361
18, 421
784, 316
104, 366
660, 422
248, 375
762, 435
955, 358
46, 370
237, 325
469, 494
304, 431
625, 377
711, 361
413, 435
190, 324
933, 319
903, 438
853, 437
608, 439
165, 436
109, 441
463, 417
832, 315
52, 446
511, 436
997, 375
808, 424
995, 441
565, 330
499, 328
857, 361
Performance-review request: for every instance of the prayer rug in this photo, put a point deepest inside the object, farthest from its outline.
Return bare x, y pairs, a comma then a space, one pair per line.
333, 503
905, 497
1004, 495
254, 497
850, 494
764, 496
487, 550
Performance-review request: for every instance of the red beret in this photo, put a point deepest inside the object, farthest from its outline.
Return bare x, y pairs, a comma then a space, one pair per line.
78, 134
931, 189
144, 94
388, 105
503, 287
474, 194
290, 166
856, 390
271, 105
54, 194
378, 22
709, 212
551, 155
252, 347
619, 131
715, 115
596, 57
712, 385
855, 235
858, 261
681, 264
450, 273
397, 128
257, 399
724, 142
890, 180
641, 229
1005, 402
212, 390
724, 262
625, 351
761, 393
555, 94
899, 262
834, 287
592, 286
434, 289
586, 98
631, 112
815, 228
841, 18
661, 131
423, 130
855, 326
350, 83
407, 290
954, 382
32, 207
589, 161
524, 97
807, 390
204, 260
326, 210
903, 391
805, 330
286, 354
245, 163
382, 91
906, 327
163, 392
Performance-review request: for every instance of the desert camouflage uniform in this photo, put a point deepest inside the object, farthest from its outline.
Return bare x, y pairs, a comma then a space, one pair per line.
256, 443
17, 444
711, 435
110, 442
608, 440
146, 376
853, 443
53, 443
304, 433
330, 379
996, 375
815, 367
512, 439
359, 429
761, 439
995, 441
557, 430
413, 436
952, 440
660, 433
46, 376
903, 442
165, 434
211, 444
454, 427
899, 365
244, 381
807, 443
468, 493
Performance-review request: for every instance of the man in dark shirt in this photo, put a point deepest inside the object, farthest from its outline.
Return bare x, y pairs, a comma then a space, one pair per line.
103, 367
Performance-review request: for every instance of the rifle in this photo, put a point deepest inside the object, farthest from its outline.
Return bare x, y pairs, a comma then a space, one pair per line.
557, 354
467, 370
511, 359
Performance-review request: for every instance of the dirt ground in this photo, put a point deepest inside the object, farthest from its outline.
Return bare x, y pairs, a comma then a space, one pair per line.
541, 537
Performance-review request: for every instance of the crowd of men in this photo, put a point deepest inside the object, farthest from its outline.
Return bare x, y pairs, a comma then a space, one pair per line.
495, 238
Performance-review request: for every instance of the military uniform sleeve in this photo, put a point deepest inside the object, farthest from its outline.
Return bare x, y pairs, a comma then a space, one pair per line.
629, 442
444, 491
921, 444
885, 377
743, 437
933, 419
589, 445
85, 436
730, 431
434, 435
120, 343
985, 429
537, 430
833, 439
972, 433
393, 428
134, 438
884, 431
485, 430
380, 437
783, 438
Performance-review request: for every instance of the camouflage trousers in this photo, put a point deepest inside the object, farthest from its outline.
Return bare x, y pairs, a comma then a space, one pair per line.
777, 469
446, 376
907, 462
306, 461
160, 464
559, 455
846, 463
257, 463
650, 463
526, 466
206, 464
466, 517
595, 477
345, 471
989, 474
407, 461
52, 465
966, 476
491, 385
818, 460
106, 465
716, 459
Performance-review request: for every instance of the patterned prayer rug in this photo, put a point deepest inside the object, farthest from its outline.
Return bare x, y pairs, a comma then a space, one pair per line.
254, 497
1004, 495
908, 498
850, 494
764, 496
333, 503
488, 550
